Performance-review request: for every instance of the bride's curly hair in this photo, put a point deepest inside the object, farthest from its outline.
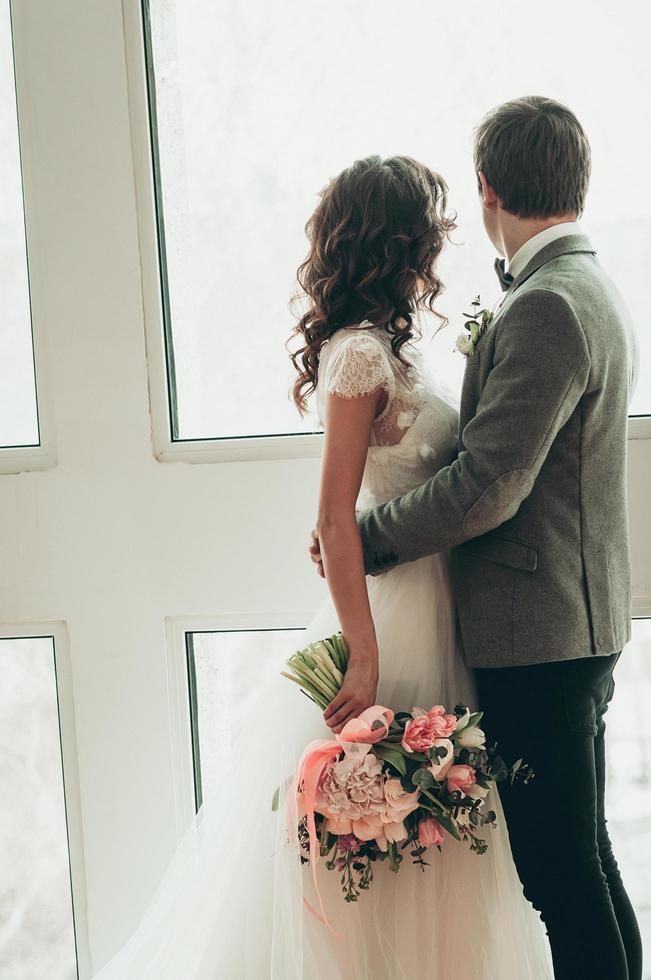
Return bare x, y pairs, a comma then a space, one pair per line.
374, 240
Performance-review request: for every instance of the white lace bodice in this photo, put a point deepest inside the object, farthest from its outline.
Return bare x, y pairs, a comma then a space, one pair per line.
415, 433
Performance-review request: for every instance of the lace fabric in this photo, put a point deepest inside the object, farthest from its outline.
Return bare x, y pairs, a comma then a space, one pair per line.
359, 360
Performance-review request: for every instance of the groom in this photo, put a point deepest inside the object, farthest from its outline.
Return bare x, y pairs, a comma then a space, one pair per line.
534, 510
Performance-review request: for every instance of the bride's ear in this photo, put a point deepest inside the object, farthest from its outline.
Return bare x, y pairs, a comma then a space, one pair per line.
488, 196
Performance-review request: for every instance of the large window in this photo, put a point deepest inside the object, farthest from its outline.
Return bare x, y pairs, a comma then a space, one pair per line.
18, 411
257, 106
36, 921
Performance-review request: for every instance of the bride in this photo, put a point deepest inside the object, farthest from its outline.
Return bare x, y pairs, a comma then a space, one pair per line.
233, 903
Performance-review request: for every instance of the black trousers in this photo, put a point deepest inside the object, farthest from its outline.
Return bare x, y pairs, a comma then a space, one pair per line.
552, 715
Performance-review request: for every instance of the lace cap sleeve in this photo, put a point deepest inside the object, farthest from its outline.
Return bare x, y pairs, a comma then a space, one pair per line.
358, 365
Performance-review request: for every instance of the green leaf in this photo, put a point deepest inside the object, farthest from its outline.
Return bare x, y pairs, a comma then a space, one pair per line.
403, 716
395, 759
422, 778
448, 825
499, 770
275, 802
414, 756
435, 800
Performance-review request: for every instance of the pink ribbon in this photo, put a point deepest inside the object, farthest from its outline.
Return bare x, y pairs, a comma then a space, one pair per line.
370, 727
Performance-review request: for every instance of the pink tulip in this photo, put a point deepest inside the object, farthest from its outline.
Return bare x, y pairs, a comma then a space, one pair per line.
430, 833
460, 778
425, 727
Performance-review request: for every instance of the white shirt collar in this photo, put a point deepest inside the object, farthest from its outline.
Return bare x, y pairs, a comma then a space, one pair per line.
534, 245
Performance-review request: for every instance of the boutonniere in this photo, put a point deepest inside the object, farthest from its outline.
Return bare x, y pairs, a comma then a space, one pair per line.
476, 325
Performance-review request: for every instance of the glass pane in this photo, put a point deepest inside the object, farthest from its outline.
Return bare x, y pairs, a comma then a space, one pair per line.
36, 920
628, 742
18, 411
222, 667
257, 109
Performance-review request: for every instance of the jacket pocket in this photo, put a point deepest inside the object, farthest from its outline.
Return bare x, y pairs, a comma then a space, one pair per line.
503, 551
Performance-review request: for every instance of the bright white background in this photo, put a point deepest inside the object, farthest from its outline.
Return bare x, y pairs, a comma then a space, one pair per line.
18, 424
119, 545
259, 105
36, 934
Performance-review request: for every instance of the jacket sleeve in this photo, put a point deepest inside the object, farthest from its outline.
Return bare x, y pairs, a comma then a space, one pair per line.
540, 371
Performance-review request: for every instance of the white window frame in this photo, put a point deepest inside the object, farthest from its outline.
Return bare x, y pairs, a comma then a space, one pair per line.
57, 631
639, 427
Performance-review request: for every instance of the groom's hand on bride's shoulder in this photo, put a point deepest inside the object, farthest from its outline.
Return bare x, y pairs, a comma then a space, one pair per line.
315, 553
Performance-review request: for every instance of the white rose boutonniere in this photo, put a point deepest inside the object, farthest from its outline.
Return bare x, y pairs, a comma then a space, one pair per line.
475, 327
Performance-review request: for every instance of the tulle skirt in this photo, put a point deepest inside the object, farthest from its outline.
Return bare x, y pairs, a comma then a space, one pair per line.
231, 903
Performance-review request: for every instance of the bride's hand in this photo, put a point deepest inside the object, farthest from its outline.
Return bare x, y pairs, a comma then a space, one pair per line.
315, 553
358, 692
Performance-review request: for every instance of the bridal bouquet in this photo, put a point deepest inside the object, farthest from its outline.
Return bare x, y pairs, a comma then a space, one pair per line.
388, 783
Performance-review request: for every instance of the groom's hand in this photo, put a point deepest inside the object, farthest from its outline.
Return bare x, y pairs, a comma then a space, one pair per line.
315, 553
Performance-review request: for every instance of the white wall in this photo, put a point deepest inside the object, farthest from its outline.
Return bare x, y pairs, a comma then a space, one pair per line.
110, 540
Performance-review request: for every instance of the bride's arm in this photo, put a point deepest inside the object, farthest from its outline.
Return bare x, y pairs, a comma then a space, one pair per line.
347, 425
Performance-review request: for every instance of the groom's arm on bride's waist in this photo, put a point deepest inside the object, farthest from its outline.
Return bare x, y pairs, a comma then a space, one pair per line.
540, 370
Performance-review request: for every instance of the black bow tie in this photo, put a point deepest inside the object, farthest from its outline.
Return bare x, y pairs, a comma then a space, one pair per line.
505, 278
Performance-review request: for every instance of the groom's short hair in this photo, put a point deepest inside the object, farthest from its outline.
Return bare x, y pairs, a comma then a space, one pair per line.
535, 155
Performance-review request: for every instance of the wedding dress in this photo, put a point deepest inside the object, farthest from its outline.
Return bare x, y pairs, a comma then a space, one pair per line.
231, 903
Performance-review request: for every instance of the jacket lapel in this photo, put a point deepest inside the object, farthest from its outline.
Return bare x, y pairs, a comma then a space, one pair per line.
568, 245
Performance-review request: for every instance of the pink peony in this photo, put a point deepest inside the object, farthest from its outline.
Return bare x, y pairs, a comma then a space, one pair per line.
339, 825
425, 727
356, 796
430, 833
461, 779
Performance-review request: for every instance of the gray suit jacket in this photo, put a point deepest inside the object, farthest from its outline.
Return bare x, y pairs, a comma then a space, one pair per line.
534, 507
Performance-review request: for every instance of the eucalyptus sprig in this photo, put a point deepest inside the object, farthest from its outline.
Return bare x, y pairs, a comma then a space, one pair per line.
476, 325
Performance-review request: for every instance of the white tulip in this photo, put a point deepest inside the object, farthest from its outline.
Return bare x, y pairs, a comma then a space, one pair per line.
440, 768
463, 720
471, 738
